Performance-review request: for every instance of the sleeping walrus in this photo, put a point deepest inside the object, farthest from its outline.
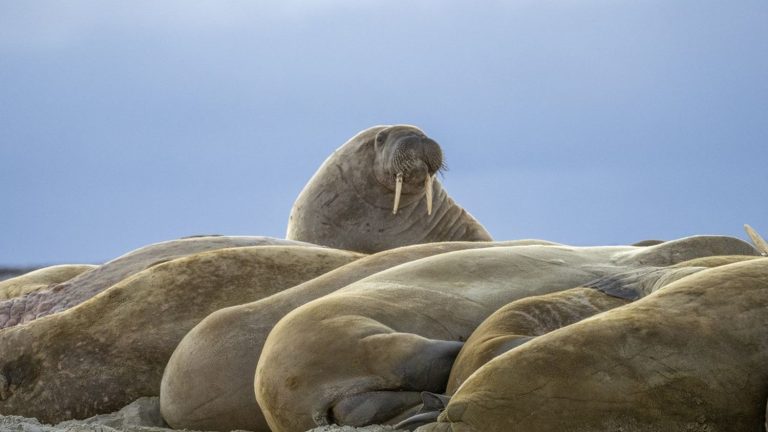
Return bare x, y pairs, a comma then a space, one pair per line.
364, 354
689, 357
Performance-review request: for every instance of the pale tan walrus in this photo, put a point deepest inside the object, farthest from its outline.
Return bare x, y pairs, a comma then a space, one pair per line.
689, 357
208, 382
363, 354
40, 279
43, 301
523, 320
102, 354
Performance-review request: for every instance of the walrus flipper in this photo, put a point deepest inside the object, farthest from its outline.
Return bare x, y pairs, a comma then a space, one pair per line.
637, 283
433, 401
414, 422
432, 405
428, 368
423, 365
372, 407
512, 341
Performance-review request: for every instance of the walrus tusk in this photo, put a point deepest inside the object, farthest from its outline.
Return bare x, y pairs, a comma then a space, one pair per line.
758, 240
428, 187
398, 191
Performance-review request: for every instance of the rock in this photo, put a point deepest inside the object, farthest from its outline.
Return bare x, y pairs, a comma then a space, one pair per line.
144, 411
142, 415
372, 428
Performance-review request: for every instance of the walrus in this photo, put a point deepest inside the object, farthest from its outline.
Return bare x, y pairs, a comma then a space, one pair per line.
690, 356
96, 357
523, 320
40, 279
378, 191
62, 296
363, 354
511, 326
208, 382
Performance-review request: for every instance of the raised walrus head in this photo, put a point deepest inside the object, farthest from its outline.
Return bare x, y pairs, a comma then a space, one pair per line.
407, 159
378, 191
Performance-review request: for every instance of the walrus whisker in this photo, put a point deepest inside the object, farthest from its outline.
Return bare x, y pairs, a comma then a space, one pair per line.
428, 187
757, 240
398, 191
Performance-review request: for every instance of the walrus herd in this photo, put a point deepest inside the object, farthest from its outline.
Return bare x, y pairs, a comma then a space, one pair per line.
388, 303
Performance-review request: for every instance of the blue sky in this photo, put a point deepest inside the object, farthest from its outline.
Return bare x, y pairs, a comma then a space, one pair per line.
584, 122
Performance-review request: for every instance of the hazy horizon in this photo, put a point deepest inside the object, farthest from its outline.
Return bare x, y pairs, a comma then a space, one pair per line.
592, 122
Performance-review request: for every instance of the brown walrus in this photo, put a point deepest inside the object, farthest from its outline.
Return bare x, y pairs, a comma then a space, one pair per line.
378, 191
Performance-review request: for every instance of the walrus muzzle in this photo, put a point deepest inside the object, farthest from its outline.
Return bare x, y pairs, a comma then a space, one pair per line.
414, 160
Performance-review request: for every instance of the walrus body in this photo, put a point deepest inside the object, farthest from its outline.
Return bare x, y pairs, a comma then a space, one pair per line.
350, 201
40, 279
526, 319
62, 296
523, 320
104, 353
400, 330
690, 356
208, 382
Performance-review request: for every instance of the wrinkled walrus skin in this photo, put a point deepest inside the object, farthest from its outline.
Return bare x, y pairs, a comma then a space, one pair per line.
400, 330
106, 352
40, 279
689, 357
62, 296
208, 382
348, 203
522, 320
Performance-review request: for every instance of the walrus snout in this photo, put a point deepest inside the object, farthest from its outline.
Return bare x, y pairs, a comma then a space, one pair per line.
414, 160
416, 156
